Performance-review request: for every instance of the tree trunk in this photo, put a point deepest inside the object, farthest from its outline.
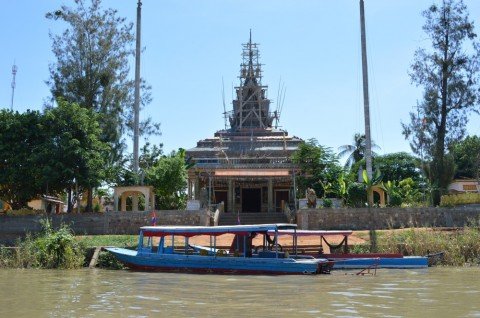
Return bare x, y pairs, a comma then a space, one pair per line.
89, 207
69, 200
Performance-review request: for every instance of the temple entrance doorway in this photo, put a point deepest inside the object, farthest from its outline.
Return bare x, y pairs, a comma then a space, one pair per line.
252, 200
222, 196
281, 198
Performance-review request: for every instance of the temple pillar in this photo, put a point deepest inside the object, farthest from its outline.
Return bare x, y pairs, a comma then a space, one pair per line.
196, 189
115, 202
135, 202
271, 208
230, 195
123, 202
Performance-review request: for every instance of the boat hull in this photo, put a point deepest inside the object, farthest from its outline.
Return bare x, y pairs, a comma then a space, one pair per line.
380, 262
185, 263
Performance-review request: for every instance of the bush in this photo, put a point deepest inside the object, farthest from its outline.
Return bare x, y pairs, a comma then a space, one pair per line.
460, 247
451, 200
395, 199
327, 203
356, 195
50, 249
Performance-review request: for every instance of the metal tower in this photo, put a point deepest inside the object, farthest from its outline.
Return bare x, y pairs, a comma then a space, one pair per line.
14, 74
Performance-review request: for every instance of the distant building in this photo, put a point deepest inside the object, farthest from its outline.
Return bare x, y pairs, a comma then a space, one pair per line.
51, 205
247, 166
464, 185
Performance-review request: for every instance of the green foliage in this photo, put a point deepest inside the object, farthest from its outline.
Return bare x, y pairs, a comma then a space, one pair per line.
318, 166
466, 154
356, 151
22, 139
109, 261
169, 178
327, 203
451, 200
356, 195
448, 73
50, 249
460, 247
43, 153
395, 199
90, 241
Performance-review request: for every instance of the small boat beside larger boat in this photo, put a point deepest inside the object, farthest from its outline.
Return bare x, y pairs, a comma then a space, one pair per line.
153, 253
342, 259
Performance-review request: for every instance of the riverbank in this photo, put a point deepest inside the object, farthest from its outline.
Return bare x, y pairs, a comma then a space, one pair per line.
461, 246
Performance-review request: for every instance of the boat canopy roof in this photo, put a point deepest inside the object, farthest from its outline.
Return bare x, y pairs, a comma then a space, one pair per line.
314, 232
189, 231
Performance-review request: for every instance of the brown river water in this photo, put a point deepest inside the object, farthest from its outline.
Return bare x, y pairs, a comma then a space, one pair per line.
432, 292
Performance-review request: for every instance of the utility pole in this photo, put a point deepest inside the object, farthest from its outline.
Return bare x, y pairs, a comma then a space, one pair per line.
136, 131
14, 74
366, 106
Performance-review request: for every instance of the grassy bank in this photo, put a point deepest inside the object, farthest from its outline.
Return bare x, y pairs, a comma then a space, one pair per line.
61, 249
461, 247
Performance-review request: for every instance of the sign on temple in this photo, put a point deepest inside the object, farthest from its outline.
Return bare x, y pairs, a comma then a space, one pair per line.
248, 166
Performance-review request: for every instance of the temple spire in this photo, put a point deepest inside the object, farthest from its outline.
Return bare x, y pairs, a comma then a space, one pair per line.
251, 108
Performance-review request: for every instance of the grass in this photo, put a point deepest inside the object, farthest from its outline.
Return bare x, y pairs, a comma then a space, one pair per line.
461, 246
108, 240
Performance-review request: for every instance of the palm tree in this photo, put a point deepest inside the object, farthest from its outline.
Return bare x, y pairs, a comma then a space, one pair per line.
355, 151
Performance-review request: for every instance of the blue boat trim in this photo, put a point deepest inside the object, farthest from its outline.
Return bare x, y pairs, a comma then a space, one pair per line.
199, 259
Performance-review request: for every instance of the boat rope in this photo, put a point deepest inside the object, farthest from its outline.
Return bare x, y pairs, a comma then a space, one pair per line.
334, 247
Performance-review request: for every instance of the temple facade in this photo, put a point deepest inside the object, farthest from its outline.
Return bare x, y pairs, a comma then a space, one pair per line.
248, 166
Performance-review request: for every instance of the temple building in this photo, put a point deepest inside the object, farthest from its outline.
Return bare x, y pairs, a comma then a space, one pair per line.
248, 166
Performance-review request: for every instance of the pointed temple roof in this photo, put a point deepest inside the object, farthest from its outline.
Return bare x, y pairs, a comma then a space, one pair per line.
251, 137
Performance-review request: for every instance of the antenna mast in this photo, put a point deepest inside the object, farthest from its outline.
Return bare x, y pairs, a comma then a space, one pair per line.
14, 74
136, 130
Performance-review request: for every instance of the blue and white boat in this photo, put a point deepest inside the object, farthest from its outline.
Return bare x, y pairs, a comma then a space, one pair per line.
153, 253
343, 259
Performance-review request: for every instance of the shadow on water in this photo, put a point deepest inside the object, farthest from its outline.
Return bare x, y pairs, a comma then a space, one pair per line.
440, 292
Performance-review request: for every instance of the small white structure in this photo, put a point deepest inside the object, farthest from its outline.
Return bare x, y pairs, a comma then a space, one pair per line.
122, 193
47, 203
464, 185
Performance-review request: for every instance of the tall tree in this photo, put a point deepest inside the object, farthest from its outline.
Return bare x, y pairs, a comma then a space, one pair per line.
448, 72
355, 151
92, 69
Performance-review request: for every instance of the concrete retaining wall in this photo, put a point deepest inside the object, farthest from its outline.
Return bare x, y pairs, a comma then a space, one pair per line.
12, 227
385, 218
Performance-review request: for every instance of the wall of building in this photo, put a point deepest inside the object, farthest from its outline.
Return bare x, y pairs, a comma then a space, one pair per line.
13, 227
385, 218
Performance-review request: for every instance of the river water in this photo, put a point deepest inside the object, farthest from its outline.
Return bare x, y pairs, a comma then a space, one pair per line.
433, 292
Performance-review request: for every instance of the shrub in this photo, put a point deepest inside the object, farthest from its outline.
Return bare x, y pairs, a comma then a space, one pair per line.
50, 249
327, 203
451, 200
356, 195
395, 199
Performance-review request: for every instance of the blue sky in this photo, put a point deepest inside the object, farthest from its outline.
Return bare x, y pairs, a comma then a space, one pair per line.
190, 45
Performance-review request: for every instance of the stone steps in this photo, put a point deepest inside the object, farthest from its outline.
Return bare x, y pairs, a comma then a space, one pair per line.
252, 218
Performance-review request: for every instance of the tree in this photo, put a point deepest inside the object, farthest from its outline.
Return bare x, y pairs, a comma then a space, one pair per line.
318, 166
449, 77
92, 69
168, 176
73, 149
355, 151
466, 155
399, 166
21, 141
